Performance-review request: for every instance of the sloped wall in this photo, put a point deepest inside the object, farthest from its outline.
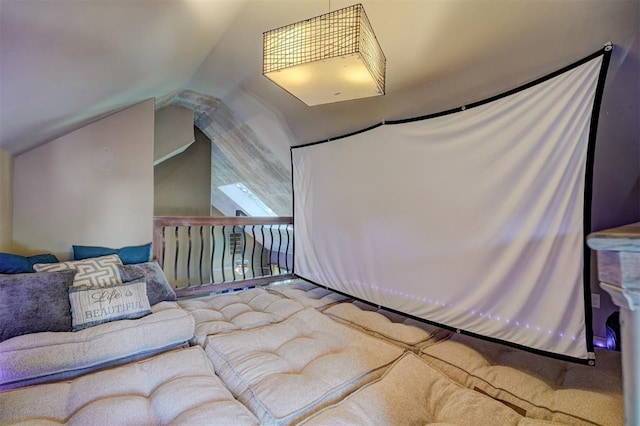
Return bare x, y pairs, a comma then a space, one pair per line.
246, 158
93, 186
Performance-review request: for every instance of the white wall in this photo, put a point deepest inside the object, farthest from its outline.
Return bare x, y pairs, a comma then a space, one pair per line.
93, 186
6, 201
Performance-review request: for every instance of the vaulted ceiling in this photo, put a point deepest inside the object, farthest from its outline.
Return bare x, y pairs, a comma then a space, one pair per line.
65, 63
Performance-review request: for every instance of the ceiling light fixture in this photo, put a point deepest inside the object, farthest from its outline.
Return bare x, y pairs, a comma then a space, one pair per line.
330, 58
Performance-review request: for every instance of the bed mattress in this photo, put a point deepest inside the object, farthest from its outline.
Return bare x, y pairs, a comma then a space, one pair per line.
40, 357
536, 386
309, 295
295, 353
238, 311
286, 371
177, 387
413, 393
402, 331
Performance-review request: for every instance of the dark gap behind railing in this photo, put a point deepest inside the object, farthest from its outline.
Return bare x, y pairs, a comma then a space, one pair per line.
205, 254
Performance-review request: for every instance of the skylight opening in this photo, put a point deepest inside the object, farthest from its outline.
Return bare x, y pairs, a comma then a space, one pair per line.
246, 200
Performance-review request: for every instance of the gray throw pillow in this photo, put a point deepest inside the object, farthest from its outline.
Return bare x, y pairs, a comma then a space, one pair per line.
91, 306
94, 272
158, 287
34, 302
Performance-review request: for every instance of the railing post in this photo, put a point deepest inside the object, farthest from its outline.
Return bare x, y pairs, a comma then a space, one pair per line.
158, 243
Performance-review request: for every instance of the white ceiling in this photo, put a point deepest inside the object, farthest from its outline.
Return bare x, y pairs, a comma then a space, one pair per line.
65, 63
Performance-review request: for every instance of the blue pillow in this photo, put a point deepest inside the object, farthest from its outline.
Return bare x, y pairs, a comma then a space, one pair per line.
128, 255
16, 264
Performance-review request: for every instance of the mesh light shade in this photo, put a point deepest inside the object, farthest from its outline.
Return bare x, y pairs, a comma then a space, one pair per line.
330, 58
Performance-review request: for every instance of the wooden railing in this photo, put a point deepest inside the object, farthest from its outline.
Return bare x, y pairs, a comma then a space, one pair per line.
205, 254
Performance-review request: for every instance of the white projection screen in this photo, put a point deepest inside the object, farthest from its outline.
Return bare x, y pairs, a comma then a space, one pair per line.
473, 219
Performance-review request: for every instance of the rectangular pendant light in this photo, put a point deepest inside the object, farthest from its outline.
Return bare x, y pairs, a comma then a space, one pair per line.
330, 58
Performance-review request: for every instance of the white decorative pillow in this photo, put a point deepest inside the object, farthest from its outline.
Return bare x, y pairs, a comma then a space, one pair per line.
95, 272
96, 305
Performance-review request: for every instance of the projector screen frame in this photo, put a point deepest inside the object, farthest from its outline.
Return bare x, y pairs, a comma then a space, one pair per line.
605, 52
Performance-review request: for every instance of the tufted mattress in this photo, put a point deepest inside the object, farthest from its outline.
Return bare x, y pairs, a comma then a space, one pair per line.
413, 393
294, 353
46, 356
286, 371
238, 311
399, 330
539, 387
309, 295
534, 385
177, 387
